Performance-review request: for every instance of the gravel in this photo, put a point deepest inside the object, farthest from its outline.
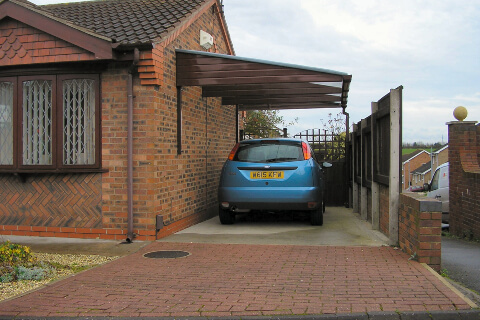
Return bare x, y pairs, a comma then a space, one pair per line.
13, 289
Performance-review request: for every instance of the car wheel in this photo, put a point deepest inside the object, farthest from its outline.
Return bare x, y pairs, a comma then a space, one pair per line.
316, 217
226, 216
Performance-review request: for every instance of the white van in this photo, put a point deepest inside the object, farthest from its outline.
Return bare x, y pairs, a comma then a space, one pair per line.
438, 188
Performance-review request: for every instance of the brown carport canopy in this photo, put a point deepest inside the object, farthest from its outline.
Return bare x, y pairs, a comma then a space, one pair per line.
253, 84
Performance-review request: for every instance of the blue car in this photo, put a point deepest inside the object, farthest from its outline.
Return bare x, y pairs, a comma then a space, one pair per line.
271, 175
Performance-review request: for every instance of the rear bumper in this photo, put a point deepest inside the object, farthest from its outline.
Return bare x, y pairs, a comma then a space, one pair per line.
270, 198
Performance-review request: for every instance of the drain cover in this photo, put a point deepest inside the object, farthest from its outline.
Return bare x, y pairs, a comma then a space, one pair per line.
166, 254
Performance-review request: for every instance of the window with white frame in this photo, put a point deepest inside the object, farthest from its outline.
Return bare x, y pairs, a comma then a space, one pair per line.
57, 119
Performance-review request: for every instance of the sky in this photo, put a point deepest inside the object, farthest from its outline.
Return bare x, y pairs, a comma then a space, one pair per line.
431, 48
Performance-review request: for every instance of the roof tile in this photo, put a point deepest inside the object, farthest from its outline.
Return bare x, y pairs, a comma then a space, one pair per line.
126, 21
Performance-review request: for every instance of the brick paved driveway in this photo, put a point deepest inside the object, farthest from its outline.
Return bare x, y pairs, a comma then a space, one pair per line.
244, 280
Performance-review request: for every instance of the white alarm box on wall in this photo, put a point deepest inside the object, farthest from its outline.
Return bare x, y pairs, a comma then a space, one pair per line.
206, 40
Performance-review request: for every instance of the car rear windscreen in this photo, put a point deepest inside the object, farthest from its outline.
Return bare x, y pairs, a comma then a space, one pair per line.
269, 152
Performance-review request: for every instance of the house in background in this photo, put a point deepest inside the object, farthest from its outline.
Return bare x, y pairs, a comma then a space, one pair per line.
88, 118
439, 157
421, 175
417, 167
410, 162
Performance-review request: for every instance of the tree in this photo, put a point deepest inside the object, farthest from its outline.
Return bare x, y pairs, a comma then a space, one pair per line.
335, 124
264, 123
334, 144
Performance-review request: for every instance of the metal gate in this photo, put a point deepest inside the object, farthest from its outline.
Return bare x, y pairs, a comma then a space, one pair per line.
330, 147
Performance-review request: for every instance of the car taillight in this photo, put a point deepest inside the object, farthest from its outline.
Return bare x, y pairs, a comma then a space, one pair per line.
232, 153
306, 151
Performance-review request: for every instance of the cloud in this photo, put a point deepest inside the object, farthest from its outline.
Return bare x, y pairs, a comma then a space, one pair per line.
402, 28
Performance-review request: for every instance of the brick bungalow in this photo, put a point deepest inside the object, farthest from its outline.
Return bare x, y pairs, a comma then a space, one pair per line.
439, 157
115, 120
410, 162
68, 74
421, 175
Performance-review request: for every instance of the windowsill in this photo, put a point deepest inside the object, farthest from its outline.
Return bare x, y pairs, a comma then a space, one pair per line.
24, 174
62, 170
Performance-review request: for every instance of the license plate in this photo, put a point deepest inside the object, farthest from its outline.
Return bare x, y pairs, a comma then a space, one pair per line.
266, 175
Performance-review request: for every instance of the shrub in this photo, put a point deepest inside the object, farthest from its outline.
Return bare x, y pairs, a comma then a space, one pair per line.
35, 273
7, 277
17, 262
14, 254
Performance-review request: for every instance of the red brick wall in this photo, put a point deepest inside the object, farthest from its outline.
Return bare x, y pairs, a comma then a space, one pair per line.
22, 45
51, 205
114, 147
180, 188
420, 228
208, 134
464, 179
384, 209
478, 142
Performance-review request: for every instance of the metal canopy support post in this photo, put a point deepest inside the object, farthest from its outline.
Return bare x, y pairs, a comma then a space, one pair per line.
179, 120
347, 157
355, 166
236, 124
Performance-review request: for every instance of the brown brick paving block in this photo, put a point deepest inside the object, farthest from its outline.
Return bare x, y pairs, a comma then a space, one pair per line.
244, 280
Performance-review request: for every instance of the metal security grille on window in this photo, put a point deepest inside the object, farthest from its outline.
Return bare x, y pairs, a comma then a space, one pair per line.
6, 124
79, 122
37, 122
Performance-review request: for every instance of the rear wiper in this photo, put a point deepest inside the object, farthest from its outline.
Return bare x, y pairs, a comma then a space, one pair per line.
280, 159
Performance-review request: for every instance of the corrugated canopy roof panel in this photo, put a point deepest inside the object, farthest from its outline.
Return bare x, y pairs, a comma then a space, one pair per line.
254, 84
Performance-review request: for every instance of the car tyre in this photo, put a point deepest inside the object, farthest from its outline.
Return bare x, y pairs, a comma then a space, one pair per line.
316, 217
226, 216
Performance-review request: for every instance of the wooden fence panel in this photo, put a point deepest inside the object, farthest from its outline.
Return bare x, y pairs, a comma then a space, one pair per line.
330, 147
327, 146
376, 163
381, 141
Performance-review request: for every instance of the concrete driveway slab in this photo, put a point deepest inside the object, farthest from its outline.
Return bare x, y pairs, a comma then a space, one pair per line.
341, 228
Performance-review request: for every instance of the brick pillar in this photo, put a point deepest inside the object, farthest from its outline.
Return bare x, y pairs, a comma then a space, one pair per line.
464, 178
420, 228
